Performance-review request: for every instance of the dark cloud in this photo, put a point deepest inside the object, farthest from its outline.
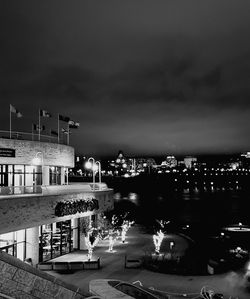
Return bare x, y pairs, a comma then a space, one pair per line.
148, 77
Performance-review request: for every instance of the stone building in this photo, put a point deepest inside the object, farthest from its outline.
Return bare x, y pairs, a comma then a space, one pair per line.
40, 213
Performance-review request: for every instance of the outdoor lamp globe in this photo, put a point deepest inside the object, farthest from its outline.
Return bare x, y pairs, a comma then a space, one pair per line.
95, 167
88, 165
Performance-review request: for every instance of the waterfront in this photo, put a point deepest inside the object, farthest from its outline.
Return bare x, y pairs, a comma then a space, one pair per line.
200, 204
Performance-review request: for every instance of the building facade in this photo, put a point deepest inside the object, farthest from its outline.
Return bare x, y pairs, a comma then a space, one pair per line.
40, 212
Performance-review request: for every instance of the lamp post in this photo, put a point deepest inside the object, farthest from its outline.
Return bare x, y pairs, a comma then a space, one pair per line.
90, 165
39, 161
100, 171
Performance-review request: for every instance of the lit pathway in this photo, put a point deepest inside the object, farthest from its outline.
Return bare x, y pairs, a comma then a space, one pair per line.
112, 267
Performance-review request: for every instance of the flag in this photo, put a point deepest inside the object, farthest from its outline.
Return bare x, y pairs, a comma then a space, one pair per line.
64, 118
73, 124
52, 132
64, 131
44, 113
36, 128
14, 110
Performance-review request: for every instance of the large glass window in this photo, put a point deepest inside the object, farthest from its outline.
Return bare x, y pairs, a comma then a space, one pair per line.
13, 243
56, 239
55, 175
20, 175
24, 178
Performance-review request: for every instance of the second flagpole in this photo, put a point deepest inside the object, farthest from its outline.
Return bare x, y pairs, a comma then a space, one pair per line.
39, 124
10, 122
58, 128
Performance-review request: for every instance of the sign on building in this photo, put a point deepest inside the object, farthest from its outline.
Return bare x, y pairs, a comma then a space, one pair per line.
7, 152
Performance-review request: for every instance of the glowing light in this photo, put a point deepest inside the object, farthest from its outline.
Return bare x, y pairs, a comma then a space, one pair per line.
157, 239
91, 241
95, 167
88, 165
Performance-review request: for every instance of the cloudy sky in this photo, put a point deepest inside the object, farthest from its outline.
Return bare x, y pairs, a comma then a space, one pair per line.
148, 77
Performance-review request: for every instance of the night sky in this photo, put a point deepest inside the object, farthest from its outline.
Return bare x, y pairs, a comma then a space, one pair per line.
147, 77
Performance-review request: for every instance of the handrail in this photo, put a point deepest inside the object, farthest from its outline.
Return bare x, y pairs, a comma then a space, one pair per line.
12, 190
30, 136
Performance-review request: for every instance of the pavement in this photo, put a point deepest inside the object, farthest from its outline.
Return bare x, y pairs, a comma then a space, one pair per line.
112, 267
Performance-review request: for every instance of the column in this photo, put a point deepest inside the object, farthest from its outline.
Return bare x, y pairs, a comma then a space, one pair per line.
32, 244
84, 221
74, 225
63, 176
20, 237
45, 175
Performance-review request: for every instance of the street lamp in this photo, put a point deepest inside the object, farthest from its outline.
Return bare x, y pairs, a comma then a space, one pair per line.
100, 171
90, 165
39, 161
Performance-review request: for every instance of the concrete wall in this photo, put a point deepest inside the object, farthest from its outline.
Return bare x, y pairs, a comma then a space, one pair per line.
53, 154
19, 212
20, 280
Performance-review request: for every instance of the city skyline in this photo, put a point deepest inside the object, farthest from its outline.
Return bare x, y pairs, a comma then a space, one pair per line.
147, 78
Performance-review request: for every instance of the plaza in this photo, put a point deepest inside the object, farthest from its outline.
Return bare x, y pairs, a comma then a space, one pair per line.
112, 267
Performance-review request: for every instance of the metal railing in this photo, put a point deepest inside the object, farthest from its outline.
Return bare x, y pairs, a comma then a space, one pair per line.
52, 189
16, 190
31, 136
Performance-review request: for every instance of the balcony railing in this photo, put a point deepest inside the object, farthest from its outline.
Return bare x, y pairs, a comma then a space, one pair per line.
53, 189
16, 190
32, 137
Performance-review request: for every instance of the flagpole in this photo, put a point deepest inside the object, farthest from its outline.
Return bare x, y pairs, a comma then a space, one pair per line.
39, 124
58, 128
68, 135
10, 123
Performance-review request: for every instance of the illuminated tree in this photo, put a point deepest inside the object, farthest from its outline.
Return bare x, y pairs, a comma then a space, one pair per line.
157, 239
91, 239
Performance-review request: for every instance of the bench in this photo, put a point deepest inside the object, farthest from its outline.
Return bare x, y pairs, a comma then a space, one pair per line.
90, 265
132, 262
45, 266
61, 266
74, 266
70, 266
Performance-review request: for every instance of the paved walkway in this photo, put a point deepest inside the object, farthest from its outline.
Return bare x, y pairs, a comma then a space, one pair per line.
112, 267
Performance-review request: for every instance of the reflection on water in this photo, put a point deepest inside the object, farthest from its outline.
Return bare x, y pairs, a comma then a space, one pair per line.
208, 205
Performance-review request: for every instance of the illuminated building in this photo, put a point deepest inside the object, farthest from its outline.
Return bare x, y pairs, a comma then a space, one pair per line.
40, 213
170, 162
189, 161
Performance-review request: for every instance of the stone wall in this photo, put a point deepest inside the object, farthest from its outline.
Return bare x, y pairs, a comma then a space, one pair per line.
20, 212
53, 154
20, 280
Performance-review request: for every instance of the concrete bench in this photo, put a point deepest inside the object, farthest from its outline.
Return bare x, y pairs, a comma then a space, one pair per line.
89, 265
70, 266
45, 266
74, 266
132, 262
61, 266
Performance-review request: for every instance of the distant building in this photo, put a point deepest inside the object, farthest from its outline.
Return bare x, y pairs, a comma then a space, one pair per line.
189, 161
129, 166
144, 164
170, 162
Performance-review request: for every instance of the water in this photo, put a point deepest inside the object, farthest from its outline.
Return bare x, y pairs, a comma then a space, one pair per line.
206, 203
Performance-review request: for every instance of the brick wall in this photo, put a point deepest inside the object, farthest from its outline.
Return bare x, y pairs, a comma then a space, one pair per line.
22, 281
53, 154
